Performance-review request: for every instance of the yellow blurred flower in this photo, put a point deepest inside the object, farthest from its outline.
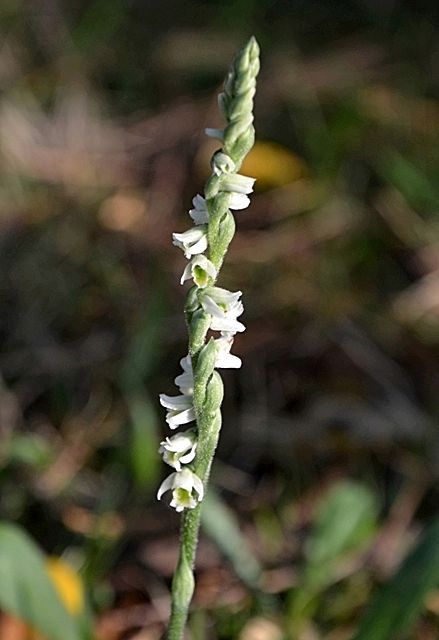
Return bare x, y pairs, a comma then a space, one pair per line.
70, 589
273, 165
68, 585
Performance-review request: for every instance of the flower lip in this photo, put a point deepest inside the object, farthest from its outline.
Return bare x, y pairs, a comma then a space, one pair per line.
238, 201
225, 359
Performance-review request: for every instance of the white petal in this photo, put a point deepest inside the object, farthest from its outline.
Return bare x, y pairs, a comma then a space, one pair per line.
198, 486
185, 480
235, 310
186, 363
199, 217
185, 382
191, 235
226, 324
199, 214
227, 361
223, 296
211, 307
166, 485
187, 273
237, 183
188, 457
197, 247
176, 418
238, 201
175, 402
214, 133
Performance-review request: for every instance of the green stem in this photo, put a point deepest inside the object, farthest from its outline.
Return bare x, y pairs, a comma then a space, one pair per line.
209, 429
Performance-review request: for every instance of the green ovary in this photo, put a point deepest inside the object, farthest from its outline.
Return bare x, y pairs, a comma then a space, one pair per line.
200, 276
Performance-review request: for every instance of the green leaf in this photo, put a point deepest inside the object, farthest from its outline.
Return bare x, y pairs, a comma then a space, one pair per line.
409, 179
220, 524
144, 458
26, 590
396, 607
29, 449
345, 520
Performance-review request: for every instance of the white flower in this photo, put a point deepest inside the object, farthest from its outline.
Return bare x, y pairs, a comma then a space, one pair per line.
224, 307
183, 484
179, 449
180, 409
185, 381
192, 241
222, 163
199, 214
225, 359
200, 269
237, 183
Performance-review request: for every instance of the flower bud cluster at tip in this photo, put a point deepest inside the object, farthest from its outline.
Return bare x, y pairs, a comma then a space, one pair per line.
204, 245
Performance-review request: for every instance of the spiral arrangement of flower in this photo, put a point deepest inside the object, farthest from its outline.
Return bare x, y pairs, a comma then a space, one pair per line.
208, 308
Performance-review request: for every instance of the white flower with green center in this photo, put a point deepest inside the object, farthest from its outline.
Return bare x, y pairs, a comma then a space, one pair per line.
187, 489
222, 163
180, 409
179, 449
224, 307
192, 241
201, 270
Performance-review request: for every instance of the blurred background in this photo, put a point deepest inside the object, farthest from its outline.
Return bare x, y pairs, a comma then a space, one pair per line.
324, 492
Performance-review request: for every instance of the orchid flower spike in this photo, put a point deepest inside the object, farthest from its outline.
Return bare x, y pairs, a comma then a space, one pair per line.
208, 308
